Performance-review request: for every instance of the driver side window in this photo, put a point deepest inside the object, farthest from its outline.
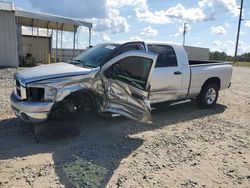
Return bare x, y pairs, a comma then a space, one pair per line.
132, 70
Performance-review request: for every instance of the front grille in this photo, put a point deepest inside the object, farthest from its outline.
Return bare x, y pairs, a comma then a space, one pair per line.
19, 89
18, 83
35, 94
18, 92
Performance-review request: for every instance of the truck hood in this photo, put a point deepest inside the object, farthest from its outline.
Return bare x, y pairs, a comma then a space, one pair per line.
55, 70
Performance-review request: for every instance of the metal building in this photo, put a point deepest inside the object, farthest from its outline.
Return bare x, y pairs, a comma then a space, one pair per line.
8, 35
11, 22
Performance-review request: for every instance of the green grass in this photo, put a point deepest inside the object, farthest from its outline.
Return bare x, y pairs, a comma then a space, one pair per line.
244, 64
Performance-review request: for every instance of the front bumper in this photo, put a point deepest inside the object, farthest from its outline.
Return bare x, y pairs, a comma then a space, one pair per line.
30, 111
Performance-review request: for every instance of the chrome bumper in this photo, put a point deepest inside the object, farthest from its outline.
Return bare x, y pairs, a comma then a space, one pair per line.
30, 111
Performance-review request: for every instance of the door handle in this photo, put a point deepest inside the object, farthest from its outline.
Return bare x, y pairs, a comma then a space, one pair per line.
177, 72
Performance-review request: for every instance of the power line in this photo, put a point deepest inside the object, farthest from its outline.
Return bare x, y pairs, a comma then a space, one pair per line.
184, 32
238, 33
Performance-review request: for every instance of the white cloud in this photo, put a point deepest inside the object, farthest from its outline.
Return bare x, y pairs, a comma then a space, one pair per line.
228, 46
67, 40
217, 43
157, 17
73, 8
114, 23
180, 12
247, 23
149, 31
135, 38
104, 16
244, 47
230, 42
242, 33
164, 16
220, 5
105, 37
138, 4
198, 43
218, 30
227, 25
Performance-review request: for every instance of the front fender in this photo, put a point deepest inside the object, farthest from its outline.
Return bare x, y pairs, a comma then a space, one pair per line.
65, 86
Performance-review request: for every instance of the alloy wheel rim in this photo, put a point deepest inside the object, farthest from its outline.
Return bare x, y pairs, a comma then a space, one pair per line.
211, 96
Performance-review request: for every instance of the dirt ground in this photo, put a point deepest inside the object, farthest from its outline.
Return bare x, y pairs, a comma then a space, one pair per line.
184, 147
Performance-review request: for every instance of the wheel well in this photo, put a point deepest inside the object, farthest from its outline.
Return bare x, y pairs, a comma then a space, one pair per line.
79, 97
214, 80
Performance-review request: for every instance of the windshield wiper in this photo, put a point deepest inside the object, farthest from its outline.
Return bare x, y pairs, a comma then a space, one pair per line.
78, 62
81, 63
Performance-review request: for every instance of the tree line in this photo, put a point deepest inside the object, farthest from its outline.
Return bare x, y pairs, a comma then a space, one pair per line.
222, 56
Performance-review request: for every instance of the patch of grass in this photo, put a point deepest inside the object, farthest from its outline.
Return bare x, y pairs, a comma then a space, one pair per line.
83, 173
245, 64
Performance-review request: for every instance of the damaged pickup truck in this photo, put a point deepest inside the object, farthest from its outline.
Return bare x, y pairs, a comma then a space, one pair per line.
119, 79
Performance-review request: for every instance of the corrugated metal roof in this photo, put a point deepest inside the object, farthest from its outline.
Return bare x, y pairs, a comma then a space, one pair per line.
43, 20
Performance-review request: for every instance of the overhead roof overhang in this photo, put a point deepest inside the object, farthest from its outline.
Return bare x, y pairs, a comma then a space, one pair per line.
49, 21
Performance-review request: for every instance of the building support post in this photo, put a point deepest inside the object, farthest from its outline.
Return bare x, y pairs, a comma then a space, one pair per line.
74, 41
32, 23
62, 59
89, 36
37, 29
48, 28
77, 34
56, 40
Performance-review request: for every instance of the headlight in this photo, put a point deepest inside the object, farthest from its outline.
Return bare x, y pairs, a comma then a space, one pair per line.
50, 93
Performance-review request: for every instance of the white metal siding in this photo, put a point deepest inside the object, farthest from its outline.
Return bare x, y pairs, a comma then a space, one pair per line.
197, 53
8, 39
37, 46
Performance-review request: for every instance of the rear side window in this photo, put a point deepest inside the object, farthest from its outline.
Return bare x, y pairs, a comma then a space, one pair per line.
166, 58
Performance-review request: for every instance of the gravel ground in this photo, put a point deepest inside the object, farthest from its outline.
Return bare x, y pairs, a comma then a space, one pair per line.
184, 147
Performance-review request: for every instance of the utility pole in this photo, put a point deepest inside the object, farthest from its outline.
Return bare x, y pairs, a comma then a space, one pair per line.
238, 33
184, 33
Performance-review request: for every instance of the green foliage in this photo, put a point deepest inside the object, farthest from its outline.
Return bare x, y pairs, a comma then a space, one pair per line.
245, 64
222, 56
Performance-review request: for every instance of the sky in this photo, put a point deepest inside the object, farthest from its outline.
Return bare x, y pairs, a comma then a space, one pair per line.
210, 23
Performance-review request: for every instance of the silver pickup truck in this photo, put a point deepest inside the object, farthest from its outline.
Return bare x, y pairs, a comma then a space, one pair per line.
117, 79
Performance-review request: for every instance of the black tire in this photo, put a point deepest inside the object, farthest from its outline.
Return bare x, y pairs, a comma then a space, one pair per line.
63, 110
72, 108
208, 95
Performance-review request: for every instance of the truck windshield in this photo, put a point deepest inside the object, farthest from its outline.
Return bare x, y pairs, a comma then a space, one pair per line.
95, 56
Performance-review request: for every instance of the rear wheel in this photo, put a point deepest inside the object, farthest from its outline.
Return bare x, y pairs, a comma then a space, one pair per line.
208, 95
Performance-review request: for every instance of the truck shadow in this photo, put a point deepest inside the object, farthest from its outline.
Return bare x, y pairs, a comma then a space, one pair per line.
87, 152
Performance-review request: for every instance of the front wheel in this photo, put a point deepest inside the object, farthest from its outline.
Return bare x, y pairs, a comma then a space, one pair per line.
208, 95
64, 110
